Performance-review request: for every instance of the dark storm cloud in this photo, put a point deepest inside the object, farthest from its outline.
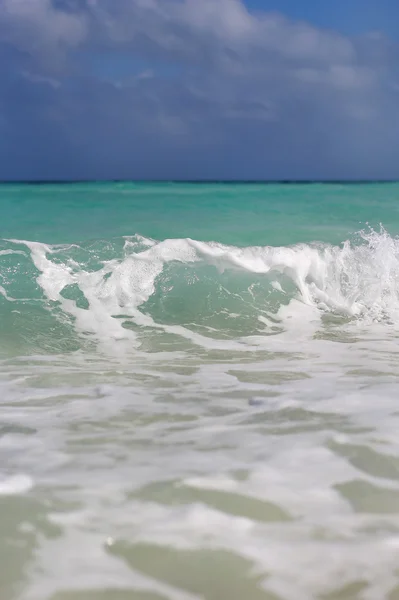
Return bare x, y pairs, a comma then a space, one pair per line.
188, 88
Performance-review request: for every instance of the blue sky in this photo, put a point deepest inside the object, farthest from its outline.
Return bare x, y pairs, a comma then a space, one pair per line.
348, 16
217, 89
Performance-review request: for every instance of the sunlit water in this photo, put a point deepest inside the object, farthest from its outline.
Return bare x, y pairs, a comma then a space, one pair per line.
192, 415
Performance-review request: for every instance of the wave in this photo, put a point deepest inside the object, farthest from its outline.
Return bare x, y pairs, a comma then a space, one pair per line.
111, 290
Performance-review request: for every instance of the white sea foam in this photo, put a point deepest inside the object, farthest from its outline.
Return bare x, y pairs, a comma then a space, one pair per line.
15, 485
358, 281
154, 473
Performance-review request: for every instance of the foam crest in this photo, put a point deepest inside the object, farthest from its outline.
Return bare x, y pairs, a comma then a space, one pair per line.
359, 279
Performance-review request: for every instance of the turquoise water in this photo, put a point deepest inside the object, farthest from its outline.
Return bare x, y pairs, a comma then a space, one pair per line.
199, 390
236, 214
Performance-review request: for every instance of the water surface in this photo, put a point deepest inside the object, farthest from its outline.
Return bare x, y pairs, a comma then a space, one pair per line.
199, 391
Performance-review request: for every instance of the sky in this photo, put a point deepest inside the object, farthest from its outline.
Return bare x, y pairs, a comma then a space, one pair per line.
199, 89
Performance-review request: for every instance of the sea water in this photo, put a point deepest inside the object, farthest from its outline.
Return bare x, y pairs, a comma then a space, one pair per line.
199, 388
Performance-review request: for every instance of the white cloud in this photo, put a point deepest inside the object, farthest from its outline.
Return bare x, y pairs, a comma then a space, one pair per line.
227, 22
340, 77
37, 26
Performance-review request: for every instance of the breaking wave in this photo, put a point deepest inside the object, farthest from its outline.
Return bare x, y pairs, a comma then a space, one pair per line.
112, 290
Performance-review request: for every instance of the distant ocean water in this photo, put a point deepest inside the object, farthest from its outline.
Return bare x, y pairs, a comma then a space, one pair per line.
199, 391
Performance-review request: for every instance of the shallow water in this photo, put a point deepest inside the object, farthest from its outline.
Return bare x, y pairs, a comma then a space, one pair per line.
182, 419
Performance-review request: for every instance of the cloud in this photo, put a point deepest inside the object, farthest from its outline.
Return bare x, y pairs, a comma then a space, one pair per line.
38, 27
182, 88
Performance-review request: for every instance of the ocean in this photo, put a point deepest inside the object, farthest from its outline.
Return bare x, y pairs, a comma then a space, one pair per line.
199, 391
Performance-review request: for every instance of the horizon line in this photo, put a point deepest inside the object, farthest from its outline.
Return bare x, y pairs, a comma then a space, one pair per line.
197, 181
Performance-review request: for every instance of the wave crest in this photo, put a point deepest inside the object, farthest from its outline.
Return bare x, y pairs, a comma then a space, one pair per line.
111, 289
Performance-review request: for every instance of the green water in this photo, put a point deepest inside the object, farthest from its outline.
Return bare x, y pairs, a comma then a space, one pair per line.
199, 391
236, 214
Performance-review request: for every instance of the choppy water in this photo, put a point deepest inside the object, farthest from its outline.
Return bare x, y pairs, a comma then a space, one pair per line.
199, 392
